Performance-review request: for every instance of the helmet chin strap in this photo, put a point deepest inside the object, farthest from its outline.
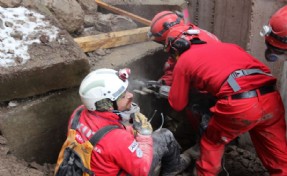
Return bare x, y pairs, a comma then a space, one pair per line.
115, 105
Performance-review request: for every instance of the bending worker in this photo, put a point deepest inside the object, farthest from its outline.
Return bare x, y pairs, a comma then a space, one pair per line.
247, 99
197, 110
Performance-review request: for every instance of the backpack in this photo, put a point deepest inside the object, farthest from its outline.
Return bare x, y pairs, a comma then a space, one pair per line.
74, 158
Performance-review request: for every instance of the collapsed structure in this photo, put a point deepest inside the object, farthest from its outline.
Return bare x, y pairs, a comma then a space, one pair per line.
37, 96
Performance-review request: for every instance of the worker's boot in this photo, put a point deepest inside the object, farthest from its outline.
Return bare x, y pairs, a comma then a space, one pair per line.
186, 159
166, 151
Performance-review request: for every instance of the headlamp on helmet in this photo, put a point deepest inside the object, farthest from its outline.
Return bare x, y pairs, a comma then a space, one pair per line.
265, 31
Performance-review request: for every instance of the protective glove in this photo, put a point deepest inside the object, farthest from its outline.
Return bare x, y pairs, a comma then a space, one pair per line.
163, 91
141, 124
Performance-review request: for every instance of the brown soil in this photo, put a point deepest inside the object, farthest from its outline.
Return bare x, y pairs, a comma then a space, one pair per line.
237, 162
11, 166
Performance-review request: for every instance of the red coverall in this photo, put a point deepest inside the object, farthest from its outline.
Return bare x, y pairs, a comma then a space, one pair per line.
207, 67
108, 158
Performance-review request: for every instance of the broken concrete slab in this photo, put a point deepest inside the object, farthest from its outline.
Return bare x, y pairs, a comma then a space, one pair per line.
36, 129
39, 60
52, 67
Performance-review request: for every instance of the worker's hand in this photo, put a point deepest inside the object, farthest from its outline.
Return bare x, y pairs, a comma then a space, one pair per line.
153, 85
163, 91
141, 124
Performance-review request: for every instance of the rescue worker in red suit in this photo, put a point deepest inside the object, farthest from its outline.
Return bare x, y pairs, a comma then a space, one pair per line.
275, 34
247, 99
134, 149
198, 107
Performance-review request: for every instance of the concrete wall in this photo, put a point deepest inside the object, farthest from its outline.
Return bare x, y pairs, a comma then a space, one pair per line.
229, 20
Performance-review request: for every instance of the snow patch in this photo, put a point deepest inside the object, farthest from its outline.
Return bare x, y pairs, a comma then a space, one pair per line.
19, 28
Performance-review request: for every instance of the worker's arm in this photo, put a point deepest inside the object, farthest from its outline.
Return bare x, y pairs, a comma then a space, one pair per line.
178, 95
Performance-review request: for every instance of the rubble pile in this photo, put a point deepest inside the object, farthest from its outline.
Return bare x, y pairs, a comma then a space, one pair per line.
239, 162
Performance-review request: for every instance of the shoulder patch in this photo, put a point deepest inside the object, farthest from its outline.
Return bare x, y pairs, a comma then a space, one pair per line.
133, 146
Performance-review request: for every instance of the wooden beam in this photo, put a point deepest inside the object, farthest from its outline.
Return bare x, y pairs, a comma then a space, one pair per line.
112, 39
123, 12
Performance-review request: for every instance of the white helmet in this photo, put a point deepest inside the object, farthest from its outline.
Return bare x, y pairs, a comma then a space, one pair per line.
101, 84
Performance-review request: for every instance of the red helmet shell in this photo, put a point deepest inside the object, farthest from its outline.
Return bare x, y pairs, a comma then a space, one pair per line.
162, 23
278, 23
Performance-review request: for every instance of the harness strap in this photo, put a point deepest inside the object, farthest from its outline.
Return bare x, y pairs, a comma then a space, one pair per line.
83, 168
239, 73
101, 133
76, 118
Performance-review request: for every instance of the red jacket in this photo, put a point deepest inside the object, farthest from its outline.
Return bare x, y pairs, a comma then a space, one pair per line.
206, 67
118, 149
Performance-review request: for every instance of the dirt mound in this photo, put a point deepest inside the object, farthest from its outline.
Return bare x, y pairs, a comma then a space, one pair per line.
11, 166
240, 162
237, 162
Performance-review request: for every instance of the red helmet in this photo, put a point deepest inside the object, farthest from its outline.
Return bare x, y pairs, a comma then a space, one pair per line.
276, 33
162, 23
180, 38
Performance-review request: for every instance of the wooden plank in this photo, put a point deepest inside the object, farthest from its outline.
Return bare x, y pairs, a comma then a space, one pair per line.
123, 12
112, 39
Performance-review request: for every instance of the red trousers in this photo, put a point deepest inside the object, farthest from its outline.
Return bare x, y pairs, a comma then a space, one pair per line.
262, 117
